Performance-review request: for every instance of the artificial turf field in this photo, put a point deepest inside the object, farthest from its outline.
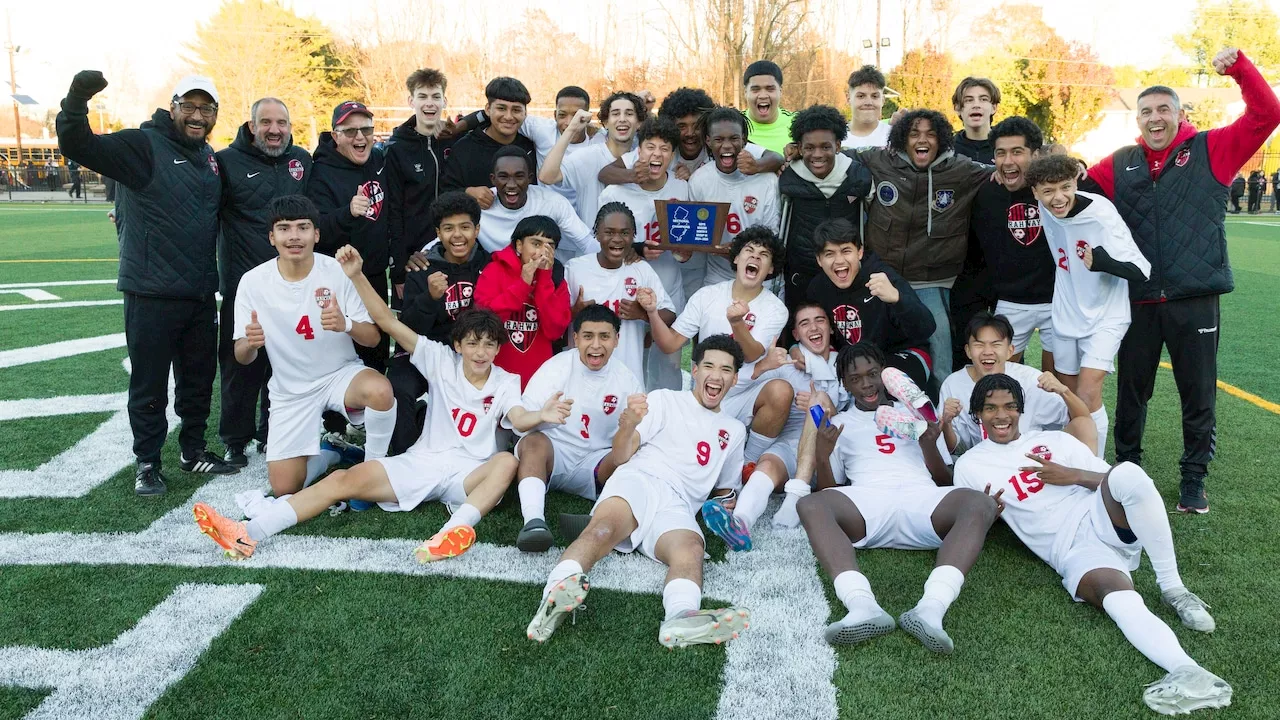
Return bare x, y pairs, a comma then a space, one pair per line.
114, 606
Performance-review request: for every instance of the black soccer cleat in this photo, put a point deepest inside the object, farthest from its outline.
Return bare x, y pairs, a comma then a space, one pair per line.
207, 462
148, 482
235, 457
1192, 498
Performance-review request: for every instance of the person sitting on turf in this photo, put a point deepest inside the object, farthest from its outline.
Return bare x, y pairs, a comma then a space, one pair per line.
1090, 522
572, 456
678, 447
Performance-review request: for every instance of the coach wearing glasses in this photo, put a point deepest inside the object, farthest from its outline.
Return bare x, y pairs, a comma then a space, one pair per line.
168, 197
348, 187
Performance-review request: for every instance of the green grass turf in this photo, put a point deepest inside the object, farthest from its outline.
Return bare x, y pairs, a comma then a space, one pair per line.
347, 644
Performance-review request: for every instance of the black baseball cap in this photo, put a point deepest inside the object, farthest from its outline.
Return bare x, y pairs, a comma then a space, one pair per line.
343, 111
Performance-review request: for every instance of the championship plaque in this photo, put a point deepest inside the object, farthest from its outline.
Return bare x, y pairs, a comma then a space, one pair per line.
697, 226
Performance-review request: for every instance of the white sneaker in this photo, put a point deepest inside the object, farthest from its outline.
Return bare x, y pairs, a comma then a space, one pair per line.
1191, 609
565, 596
1185, 690
850, 630
704, 627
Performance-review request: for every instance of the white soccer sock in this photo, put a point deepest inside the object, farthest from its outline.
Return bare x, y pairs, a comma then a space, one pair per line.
274, 518
1145, 631
378, 426
788, 516
854, 590
533, 498
756, 445
1144, 509
754, 497
561, 571
465, 515
680, 595
940, 590
1100, 419
317, 465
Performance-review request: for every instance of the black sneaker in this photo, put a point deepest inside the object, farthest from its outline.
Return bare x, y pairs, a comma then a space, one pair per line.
534, 537
262, 447
207, 462
235, 457
1193, 498
148, 482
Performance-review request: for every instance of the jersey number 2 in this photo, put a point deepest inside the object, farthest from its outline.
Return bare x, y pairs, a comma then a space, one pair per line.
704, 453
304, 328
466, 422
1062, 259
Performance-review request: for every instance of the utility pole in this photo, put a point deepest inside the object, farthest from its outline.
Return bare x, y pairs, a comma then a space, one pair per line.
877, 40
13, 85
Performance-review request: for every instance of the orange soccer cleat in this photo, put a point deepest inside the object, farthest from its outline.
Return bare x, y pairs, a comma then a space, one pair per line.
231, 535
446, 544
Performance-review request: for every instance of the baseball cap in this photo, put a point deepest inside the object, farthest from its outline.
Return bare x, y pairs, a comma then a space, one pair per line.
195, 82
344, 110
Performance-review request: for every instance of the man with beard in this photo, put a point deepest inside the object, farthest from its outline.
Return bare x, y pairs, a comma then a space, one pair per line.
169, 194
518, 199
261, 165
348, 187
621, 113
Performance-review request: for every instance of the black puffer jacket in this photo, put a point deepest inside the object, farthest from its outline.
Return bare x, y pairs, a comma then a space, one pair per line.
804, 207
414, 163
250, 181
434, 318
334, 181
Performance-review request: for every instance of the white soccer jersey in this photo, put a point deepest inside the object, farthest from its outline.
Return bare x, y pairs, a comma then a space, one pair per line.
609, 288
877, 139
1084, 300
690, 448
498, 222
599, 397
753, 200
1041, 410
866, 457
544, 132
629, 159
641, 204
302, 353
799, 378
461, 418
704, 316
581, 172
1043, 516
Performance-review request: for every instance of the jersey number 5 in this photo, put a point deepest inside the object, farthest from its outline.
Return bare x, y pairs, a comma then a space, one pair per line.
304, 328
704, 453
466, 422
884, 445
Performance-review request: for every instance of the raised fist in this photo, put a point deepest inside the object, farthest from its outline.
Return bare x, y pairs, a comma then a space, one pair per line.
1222, 62
349, 258
647, 299
637, 408
359, 205
881, 287
87, 83
736, 311
951, 410
437, 284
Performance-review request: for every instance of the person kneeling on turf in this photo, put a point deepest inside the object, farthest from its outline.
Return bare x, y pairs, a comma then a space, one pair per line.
897, 497
455, 461
571, 455
678, 446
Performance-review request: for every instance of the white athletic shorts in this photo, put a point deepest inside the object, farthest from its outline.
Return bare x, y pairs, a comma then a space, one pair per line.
1097, 351
573, 470
743, 404
897, 518
419, 476
1096, 545
785, 447
656, 507
293, 429
1025, 320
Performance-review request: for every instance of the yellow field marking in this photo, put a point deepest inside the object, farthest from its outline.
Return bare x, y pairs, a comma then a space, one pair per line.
1242, 394
62, 260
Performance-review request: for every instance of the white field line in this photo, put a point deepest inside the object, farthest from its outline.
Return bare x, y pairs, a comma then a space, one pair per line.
69, 304
64, 348
56, 283
30, 293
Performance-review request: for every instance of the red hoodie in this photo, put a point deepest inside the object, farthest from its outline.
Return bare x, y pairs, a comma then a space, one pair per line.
534, 315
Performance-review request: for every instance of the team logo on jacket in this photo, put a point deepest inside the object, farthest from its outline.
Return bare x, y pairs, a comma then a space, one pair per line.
457, 297
1024, 222
887, 193
521, 329
1184, 155
750, 320
373, 191
724, 438
1081, 246
749, 204
488, 403
1042, 452
324, 296
213, 164
417, 167
630, 286
942, 199
610, 404
848, 322
295, 169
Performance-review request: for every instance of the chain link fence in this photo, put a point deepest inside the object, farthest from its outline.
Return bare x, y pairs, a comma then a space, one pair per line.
44, 183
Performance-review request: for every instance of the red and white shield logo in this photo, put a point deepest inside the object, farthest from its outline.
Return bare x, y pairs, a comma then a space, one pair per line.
213, 164
324, 296
848, 322
488, 403
1081, 246
522, 328
457, 297
1024, 223
630, 285
610, 404
749, 204
373, 191
724, 438
295, 169
1042, 452
1184, 156
750, 320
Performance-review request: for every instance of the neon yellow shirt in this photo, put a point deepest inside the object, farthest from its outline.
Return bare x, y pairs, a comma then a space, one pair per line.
773, 136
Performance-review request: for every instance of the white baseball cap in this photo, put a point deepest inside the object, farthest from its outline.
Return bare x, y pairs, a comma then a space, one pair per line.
195, 82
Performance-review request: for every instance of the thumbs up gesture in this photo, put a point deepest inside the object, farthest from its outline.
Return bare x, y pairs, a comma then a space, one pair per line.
253, 332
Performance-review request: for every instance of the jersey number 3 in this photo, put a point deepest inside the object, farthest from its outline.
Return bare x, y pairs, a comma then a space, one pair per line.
304, 328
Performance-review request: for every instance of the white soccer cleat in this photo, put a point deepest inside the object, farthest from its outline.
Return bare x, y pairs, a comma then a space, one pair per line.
850, 631
1193, 611
931, 636
899, 423
566, 596
1185, 690
704, 627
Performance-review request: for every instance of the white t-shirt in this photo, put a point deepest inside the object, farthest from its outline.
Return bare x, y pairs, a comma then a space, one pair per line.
581, 172
461, 417
599, 397
498, 222
877, 139
1084, 301
629, 159
1045, 517
867, 457
753, 200
609, 288
640, 201
690, 448
704, 315
289, 312
1041, 410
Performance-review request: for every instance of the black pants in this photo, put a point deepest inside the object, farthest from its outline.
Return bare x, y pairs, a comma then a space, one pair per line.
1189, 328
164, 333
1255, 200
407, 384
243, 387
1235, 203
970, 295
